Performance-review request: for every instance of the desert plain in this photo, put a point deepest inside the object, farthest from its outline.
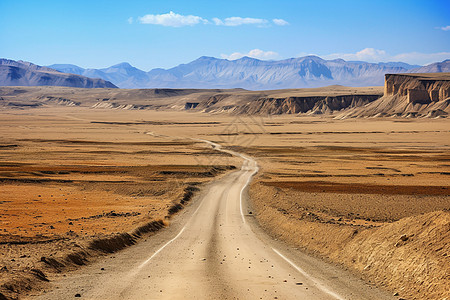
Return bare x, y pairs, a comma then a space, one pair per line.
368, 194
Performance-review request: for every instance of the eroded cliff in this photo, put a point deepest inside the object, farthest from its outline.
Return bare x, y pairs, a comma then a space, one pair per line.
409, 95
307, 105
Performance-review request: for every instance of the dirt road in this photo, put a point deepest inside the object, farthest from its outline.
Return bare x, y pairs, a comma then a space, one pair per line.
213, 250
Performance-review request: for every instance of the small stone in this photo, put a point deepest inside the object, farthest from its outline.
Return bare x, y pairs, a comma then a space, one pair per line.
396, 294
103, 269
77, 295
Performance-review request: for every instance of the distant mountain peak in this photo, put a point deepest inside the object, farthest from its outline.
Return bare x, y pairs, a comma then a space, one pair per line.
312, 57
243, 58
438, 67
124, 65
206, 58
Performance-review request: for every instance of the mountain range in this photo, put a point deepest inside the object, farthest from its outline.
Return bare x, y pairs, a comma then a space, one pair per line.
209, 72
247, 73
21, 73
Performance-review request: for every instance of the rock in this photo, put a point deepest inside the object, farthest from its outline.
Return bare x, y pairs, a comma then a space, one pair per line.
77, 295
404, 237
409, 96
39, 274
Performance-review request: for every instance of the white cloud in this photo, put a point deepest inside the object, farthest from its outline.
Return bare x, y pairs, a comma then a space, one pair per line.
367, 54
445, 28
237, 21
130, 20
255, 53
280, 22
172, 20
376, 55
176, 20
421, 58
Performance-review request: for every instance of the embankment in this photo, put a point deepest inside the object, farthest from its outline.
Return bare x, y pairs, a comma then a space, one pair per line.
408, 256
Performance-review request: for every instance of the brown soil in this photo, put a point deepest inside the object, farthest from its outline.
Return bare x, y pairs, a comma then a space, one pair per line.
374, 201
355, 188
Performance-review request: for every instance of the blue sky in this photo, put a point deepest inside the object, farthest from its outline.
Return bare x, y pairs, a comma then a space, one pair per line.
150, 34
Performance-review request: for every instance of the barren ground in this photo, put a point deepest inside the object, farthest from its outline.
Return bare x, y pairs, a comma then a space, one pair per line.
342, 189
67, 181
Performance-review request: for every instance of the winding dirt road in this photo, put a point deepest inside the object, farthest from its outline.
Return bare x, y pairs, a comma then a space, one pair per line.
213, 250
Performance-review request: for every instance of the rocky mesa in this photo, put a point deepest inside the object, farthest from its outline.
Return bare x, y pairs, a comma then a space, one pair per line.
409, 95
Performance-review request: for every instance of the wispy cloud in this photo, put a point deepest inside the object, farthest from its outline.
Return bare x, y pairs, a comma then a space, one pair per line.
421, 58
445, 28
280, 22
237, 21
255, 53
377, 55
367, 54
130, 20
172, 20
